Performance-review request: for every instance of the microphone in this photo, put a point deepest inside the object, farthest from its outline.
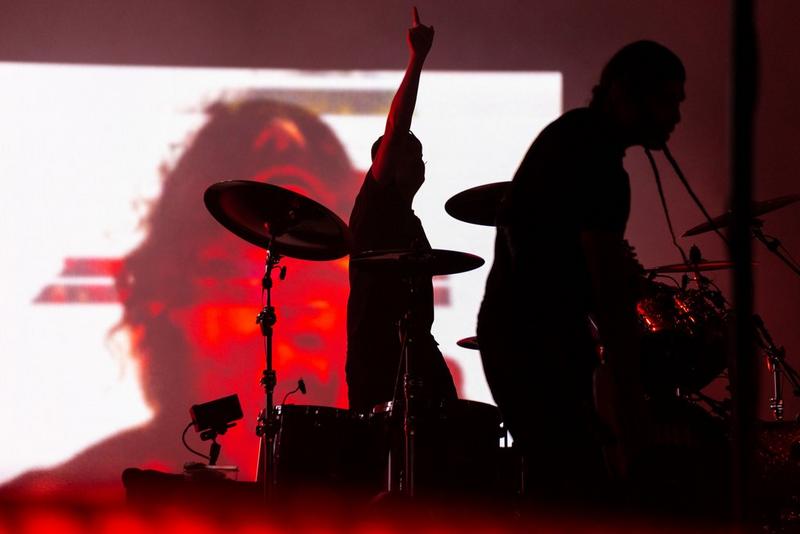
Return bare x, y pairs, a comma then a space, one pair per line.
695, 256
300, 386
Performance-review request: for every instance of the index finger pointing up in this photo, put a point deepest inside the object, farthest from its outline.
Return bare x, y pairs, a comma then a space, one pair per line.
415, 15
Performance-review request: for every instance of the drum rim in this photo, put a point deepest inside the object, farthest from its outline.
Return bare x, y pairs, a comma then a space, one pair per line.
386, 407
311, 409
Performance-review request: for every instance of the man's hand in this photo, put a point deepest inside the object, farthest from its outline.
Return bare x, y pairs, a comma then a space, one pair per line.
420, 37
634, 272
398, 123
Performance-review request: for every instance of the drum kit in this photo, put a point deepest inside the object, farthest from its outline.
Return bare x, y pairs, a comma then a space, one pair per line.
684, 329
307, 446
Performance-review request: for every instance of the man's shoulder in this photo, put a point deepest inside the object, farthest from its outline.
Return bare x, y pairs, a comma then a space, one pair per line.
376, 206
375, 193
560, 138
572, 123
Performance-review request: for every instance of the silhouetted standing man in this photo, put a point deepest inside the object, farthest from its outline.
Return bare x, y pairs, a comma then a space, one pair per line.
559, 257
382, 219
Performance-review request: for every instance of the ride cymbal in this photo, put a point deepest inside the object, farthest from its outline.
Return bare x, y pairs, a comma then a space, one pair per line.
274, 218
757, 208
702, 265
469, 343
477, 205
412, 262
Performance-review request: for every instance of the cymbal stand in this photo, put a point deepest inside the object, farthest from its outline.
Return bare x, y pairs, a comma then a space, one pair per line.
773, 244
778, 366
411, 390
266, 428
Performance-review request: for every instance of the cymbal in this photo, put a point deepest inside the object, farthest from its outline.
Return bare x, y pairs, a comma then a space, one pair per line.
468, 343
411, 262
756, 209
477, 205
702, 265
274, 218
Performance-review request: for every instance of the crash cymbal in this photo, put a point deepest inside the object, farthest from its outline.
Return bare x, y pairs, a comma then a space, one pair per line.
469, 343
477, 205
277, 219
756, 209
702, 265
410, 262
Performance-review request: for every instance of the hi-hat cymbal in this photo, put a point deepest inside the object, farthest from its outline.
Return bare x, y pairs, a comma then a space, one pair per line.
691, 267
469, 343
274, 218
477, 205
411, 262
756, 209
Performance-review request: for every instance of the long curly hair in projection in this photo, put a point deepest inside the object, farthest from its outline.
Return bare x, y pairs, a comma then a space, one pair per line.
252, 139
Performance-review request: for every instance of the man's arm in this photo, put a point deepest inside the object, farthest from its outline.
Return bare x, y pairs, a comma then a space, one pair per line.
619, 381
398, 123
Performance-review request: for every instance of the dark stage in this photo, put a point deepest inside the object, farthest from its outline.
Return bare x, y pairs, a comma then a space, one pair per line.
192, 211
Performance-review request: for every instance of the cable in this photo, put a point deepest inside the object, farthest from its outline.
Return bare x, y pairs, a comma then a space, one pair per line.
664, 205
183, 439
677, 284
785, 252
403, 356
685, 183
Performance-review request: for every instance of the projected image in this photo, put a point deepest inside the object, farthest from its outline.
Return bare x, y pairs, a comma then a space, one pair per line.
134, 303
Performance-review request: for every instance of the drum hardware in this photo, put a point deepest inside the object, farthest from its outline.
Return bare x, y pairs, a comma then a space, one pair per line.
757, 208
284, 223
478, 205
301, 387
410, 264
778, 366
211, 419
683, 333
774, 245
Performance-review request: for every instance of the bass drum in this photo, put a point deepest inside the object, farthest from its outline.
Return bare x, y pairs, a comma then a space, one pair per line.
457, 447
324, 448
684, 339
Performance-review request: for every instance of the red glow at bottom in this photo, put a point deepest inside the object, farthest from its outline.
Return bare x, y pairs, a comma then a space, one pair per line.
318, 515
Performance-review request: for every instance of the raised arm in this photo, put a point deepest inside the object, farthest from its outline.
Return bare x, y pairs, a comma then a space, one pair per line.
398, 123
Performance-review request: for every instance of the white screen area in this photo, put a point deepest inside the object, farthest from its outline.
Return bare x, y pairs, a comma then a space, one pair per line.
82, 153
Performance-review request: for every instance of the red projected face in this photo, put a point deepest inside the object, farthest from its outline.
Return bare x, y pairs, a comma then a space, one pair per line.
191, 291
197, 287
226, 348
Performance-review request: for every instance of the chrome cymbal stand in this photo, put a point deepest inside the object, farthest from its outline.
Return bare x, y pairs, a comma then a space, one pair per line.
412, 386
774, 245
266, 426
779, 367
